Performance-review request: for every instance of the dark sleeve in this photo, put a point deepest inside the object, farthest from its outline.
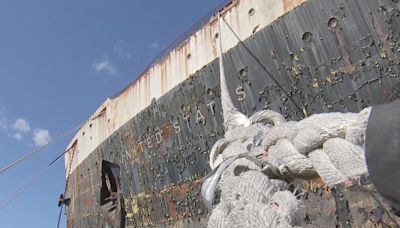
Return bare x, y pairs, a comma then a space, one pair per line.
382, 150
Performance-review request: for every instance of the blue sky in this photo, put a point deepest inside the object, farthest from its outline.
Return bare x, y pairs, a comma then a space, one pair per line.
59, 60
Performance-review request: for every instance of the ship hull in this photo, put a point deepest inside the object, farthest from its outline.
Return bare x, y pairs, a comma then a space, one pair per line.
323, 56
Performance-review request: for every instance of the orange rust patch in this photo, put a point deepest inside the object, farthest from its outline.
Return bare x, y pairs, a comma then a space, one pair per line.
185, 188
171, 207
70, 223
182, 190
166, 132
348, 67
288, 5
385, 93
88, 203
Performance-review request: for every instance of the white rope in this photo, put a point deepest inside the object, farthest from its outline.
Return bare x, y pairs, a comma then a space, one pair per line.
335, 140
329, 145
232, 117
246, 196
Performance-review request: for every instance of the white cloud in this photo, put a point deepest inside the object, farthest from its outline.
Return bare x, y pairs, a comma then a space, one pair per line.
17, 136
21, 125
120, 50
155, 45
41, 137
104, 66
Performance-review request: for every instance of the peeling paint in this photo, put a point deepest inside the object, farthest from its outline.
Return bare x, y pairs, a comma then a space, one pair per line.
160, 180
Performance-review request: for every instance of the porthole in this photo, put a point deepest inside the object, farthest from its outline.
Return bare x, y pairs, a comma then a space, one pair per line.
251, 11
209, 92
307, 37
243, 72
333, 22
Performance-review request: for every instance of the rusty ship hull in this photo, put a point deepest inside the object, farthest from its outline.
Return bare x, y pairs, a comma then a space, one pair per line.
145, 169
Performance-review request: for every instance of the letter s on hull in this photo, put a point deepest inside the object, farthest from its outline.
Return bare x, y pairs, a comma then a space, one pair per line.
241, 95
177, 127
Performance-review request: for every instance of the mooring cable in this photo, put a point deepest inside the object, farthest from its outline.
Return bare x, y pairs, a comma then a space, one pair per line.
263, 67
38, 150
30, 182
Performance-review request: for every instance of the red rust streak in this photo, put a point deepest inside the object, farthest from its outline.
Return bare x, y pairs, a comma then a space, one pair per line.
381, 35
87, 203
348, 67
166, 132
288, 5
171, 207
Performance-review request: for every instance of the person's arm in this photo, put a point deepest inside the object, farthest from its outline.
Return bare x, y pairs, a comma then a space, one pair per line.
382, 150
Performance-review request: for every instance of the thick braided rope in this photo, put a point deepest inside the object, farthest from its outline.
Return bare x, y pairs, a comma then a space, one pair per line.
330, 145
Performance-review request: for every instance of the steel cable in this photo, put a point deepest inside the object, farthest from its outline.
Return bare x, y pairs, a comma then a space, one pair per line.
35, 177
59, 216
66, 185
263, 67
38, 150
29, 183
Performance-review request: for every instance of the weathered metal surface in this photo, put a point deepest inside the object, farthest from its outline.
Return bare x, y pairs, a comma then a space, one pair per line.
194, 52
358, 205
328, 55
